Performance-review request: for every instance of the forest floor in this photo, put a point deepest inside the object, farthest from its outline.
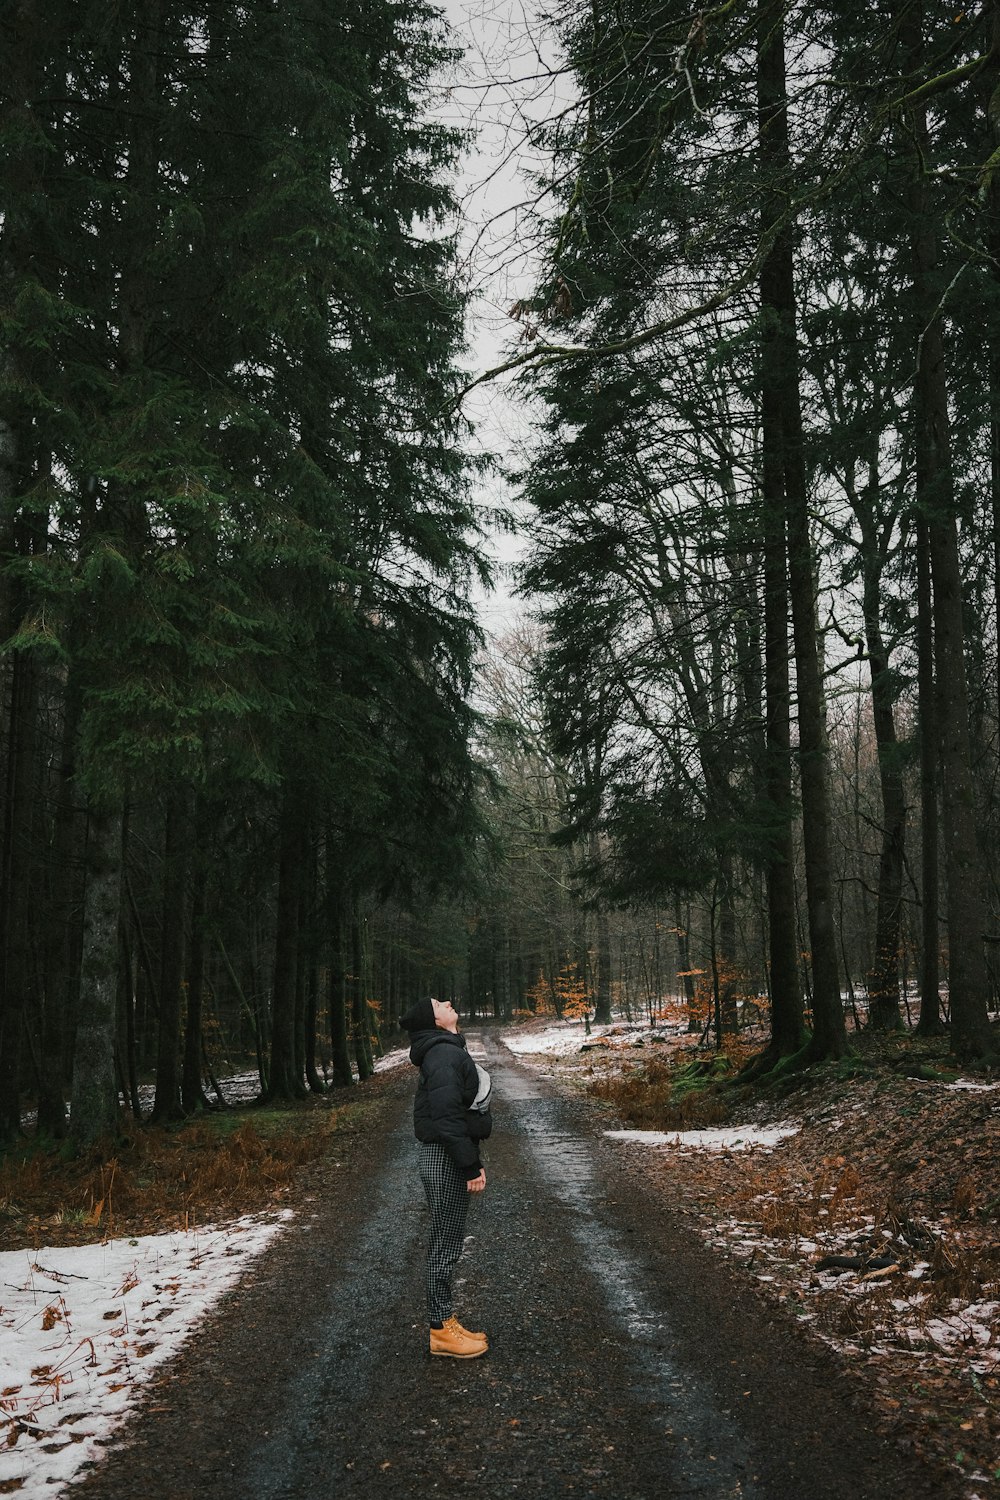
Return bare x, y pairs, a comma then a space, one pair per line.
861, 1197
899, 1349
213, 1167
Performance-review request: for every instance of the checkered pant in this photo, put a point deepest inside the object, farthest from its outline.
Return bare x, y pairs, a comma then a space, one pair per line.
448, 1201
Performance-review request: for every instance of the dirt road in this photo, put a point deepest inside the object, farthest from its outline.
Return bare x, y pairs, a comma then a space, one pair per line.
627, 1363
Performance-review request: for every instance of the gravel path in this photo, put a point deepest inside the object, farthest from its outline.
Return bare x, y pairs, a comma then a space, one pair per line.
626, 1362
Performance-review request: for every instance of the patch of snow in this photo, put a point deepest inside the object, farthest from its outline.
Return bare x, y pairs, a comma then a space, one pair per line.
969, 1086
237, 1088
553, 1042
969, 1328
716, 1138
82, 1328
565, 1037
394, 1059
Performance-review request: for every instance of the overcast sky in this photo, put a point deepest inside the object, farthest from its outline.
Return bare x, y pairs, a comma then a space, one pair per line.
498, 90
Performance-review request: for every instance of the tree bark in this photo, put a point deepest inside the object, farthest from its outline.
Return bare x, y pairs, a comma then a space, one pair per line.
684, 965
360, 1019
787, 1030
780, 382
301, 961
21, 532
931, 1021
343, 1073
968, 983
336, 1001
315, 1082
63, 923
192, 1092
602, 938
128, 1065
176, 857
16, 962
284, 1081
726, 964
95, 1087
883, 978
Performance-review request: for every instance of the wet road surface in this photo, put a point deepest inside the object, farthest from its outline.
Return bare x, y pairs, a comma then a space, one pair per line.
626, 1363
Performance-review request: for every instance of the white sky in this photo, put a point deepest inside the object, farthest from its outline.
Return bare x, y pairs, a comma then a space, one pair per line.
500, 89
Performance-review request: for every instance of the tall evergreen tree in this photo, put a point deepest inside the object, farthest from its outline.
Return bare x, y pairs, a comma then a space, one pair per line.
234, 357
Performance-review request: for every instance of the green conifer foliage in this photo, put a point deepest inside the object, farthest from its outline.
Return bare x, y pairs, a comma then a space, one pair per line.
233, 345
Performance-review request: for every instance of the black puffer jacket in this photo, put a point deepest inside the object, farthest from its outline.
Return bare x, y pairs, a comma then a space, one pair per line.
448, 1085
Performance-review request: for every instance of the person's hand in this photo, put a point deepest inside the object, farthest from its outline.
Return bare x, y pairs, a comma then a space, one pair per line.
477, 1184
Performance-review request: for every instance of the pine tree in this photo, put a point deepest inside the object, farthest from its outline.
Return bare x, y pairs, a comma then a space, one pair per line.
244, 334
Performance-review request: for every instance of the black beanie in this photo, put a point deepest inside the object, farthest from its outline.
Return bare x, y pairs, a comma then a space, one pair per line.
419, 1017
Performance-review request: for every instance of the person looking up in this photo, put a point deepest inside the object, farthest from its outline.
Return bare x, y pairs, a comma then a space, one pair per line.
450, 1118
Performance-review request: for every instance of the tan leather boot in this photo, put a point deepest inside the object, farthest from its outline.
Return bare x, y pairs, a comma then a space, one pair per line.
456, 1326
457, 1342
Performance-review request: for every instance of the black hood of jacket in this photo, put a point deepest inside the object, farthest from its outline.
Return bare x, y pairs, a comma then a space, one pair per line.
422, 1041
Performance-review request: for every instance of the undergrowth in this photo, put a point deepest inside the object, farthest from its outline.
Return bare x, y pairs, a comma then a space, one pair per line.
150, 1180
660, 1094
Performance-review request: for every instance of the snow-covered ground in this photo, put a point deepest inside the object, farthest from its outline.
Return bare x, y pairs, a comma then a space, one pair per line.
712, 1138
83, 1328
563, 1038
391, 1060
890, 1324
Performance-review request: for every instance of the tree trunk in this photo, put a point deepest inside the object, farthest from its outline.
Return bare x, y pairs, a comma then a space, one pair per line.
95, 1088
883, 978
787, 1030
192, 1092
127, 1064
336, 1000
780, 386
602, 1008
968, 982
931, 1021
315, 1082
684, 966
16, 965
284, 1081
360, 1020
22, 532
301, 962
726, 971
63, 924
176, 856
